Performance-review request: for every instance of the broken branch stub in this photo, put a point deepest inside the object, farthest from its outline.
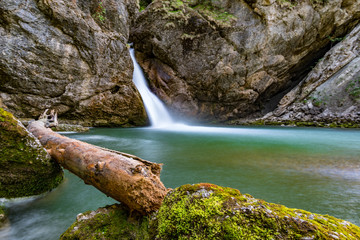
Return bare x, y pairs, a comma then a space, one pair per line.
126, 178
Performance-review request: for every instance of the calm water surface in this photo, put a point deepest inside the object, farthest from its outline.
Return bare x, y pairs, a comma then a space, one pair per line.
313, 169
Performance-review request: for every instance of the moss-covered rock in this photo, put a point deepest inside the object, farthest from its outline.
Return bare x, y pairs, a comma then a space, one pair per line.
111, 222
206, 211
26, 168
3, 218
341, 123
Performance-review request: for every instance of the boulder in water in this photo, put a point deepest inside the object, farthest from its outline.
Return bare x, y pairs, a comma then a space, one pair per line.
26, 168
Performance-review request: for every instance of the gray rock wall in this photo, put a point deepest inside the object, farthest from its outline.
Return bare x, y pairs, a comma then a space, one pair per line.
331, 91
221, 60
71, 56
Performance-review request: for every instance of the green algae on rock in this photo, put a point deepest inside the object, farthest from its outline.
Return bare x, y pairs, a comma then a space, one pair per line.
110, 222
206, 211
26, 169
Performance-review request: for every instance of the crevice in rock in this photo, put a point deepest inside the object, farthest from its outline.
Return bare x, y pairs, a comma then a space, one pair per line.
298, 72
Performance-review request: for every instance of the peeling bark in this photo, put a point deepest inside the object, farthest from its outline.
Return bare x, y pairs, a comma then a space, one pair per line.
126, 178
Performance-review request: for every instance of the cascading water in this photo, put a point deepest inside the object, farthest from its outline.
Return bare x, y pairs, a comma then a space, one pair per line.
158, 115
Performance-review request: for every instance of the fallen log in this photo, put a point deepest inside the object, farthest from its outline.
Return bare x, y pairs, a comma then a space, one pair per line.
126, 178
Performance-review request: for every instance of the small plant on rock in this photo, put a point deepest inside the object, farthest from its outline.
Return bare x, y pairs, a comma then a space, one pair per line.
100, 12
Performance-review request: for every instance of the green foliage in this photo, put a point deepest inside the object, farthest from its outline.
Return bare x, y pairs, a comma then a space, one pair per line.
100, 12
354, 89
207, 9
180, 10
319, 1
144, 4
288, 3
328, 124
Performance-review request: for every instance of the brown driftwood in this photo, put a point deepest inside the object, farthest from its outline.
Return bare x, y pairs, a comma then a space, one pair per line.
126, 178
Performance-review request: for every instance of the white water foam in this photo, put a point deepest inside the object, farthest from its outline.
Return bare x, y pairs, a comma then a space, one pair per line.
158, 115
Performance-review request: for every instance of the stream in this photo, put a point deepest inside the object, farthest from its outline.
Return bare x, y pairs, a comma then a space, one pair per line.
314, 169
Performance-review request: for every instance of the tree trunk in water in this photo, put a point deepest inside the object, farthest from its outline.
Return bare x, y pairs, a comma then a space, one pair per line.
124, 177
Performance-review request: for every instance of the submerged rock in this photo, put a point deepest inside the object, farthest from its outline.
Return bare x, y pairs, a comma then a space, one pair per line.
111, 222
221, 60
26, 168
207, 211
330, 94
71, 56
69, 128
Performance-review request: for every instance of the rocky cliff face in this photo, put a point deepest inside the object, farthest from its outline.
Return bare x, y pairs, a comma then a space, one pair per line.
221, 60
330, 94
69, 55
26, 169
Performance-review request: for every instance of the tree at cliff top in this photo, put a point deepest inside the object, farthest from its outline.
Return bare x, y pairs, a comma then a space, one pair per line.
206, 211
70, 56
221, 60
26, 169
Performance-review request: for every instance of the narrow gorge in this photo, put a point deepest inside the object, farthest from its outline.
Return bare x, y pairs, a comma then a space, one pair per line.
236, 93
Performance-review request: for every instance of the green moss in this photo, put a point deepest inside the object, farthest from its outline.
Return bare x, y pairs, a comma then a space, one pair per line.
144, 4
206, 211
111, 222
212, 12
25, 167
329, 124
3, 217
180, 10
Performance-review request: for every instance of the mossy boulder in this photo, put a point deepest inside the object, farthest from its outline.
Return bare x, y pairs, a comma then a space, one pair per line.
26, 168
207, 211
3, 218
110, 222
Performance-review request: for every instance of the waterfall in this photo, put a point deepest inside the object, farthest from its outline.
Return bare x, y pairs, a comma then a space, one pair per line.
157, 113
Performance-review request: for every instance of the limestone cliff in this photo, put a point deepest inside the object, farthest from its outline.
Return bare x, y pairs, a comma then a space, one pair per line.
69, 55
330, 94
26, 169
221, 60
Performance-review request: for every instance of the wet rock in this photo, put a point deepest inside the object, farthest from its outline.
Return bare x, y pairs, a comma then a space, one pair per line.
71, 56
221, 60
69, 128
26, 168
